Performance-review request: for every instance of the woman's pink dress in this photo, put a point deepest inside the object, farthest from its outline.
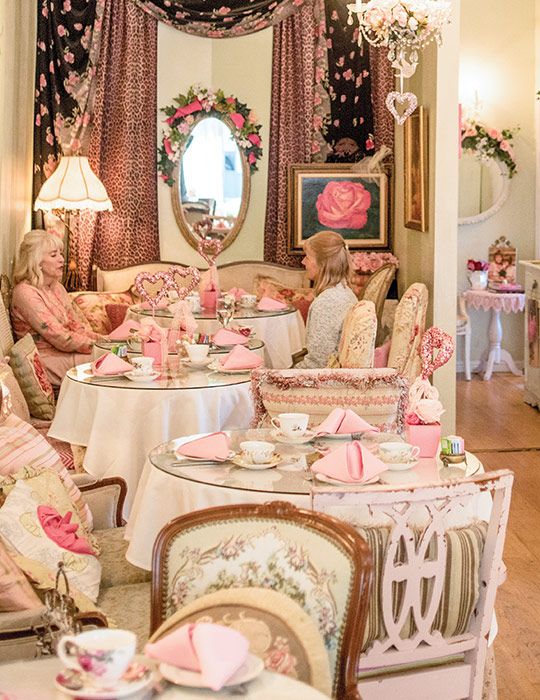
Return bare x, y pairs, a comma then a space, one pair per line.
61, 333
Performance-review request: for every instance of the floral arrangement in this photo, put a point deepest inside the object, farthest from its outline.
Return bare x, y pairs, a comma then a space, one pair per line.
371, 261
477, 265
487, 143
199, 102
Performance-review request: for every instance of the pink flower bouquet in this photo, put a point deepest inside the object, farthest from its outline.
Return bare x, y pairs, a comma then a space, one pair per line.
477, 265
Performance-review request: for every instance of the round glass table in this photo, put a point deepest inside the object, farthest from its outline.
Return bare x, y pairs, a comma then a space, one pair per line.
134, 347
170, 486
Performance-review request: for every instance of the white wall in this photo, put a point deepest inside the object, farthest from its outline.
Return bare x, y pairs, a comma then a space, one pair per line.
17, 57
497, 59
242, 67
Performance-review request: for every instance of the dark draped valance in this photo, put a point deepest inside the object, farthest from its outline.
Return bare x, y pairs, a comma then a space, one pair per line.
220, 19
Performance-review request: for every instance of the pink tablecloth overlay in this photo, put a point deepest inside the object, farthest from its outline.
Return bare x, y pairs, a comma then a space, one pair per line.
483, 299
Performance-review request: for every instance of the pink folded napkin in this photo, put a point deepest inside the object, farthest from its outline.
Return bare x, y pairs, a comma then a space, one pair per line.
163, 304
237, 292
342, 420
214, 446
351, 463
215, 651
123, 330
268, 304
110, 364
226, 337
241, 358
61, 530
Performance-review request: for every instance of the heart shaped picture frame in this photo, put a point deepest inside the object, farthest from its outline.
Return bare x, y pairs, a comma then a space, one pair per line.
209, 249
153, 296
183, 279
401, 98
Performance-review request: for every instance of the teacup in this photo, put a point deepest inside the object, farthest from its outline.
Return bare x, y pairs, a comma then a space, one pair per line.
248, 300
103, 654
257, 451
197, 352
398, 452
142, 365
291, 425
194, 302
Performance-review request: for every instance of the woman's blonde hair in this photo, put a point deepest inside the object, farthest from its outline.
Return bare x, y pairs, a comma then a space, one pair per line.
332, 257
34, 246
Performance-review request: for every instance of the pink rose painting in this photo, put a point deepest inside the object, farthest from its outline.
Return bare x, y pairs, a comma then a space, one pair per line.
343, 204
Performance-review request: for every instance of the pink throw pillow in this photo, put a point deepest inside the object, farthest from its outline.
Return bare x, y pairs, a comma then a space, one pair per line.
381, 355
116, 314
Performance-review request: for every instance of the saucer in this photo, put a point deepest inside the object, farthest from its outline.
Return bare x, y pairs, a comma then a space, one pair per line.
198, 364
400, 466
241, 461
338, 482
142, 377
122, 688
300, 440
249, 670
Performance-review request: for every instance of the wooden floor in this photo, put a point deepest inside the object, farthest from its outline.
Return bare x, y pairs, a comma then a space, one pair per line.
505, 433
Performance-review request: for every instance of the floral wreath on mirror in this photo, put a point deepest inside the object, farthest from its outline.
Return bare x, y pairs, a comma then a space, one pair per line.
489, 144
198, 101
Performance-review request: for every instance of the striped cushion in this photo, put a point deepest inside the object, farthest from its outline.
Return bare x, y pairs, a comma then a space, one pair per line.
461, 587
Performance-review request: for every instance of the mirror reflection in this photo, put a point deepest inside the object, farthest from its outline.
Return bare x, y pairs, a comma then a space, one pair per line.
211, 179
481, 184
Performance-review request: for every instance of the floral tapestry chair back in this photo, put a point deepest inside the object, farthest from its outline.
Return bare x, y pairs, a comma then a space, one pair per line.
409, 325
437, 553
377, 395
376, 290
357, 343
321, 564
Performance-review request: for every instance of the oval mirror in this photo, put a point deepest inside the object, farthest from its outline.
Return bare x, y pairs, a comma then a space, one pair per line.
483, 188
211, 183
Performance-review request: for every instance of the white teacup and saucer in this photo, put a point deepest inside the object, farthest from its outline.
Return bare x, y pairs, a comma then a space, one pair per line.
257, 454
292, 428
398, 456
142, 370
197, 355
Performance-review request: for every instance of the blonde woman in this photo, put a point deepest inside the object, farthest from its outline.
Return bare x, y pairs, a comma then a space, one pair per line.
42, 307
328, 264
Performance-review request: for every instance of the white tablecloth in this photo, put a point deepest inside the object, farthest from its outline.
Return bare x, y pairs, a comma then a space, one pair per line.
283, 335
34, 680
120, 423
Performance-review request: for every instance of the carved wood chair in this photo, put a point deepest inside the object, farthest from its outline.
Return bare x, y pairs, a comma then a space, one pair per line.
319, 562
376, 290
437, 567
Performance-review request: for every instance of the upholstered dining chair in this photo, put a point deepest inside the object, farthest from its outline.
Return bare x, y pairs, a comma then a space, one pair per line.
377, 395
320, 564
437, 554
357, 342
409, 326
376, 290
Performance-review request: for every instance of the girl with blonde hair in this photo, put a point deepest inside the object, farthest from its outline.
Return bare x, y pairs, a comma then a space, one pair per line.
328, 265
42, 307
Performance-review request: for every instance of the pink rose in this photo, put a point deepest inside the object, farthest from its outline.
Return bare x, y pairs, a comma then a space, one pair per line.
255, 139
168, 147
369, 145
343, 204
252, 159
494, 134
238, 120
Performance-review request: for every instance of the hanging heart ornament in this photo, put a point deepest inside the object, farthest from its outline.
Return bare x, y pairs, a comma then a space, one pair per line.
435, 339
401, 98
209, 249
203, 227
153, 286
183, 279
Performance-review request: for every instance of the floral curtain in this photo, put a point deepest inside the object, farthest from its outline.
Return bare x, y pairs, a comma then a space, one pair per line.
300, 104
215, 21
68, 46
123, 143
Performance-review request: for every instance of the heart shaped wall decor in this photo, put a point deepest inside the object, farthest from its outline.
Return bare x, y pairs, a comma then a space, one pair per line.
402, 98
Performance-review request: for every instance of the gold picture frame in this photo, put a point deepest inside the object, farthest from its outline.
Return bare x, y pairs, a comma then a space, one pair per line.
416, 170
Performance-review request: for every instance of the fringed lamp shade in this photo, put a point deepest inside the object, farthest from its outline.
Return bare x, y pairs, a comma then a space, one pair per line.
73, 185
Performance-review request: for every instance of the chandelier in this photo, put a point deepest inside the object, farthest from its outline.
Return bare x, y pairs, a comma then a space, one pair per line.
405, 27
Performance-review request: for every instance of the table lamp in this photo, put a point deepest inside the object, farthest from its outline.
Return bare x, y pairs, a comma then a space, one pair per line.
72, 186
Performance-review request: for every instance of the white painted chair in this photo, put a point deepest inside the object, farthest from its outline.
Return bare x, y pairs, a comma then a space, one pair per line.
436, 573
463, 328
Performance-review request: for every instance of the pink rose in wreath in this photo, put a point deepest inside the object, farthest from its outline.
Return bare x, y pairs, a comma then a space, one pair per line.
343, 204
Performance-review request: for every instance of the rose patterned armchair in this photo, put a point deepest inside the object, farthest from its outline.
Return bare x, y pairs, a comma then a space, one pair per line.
322, 565
437, 553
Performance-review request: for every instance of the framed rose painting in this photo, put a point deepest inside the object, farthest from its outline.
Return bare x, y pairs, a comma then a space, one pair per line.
326, 196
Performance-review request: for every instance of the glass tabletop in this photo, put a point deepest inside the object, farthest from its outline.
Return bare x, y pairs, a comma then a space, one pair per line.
176, 375
207, 314
134, 346
292, 475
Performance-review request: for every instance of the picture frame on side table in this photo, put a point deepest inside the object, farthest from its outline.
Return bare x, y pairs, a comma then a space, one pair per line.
416, 165
502, 258
329, 196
